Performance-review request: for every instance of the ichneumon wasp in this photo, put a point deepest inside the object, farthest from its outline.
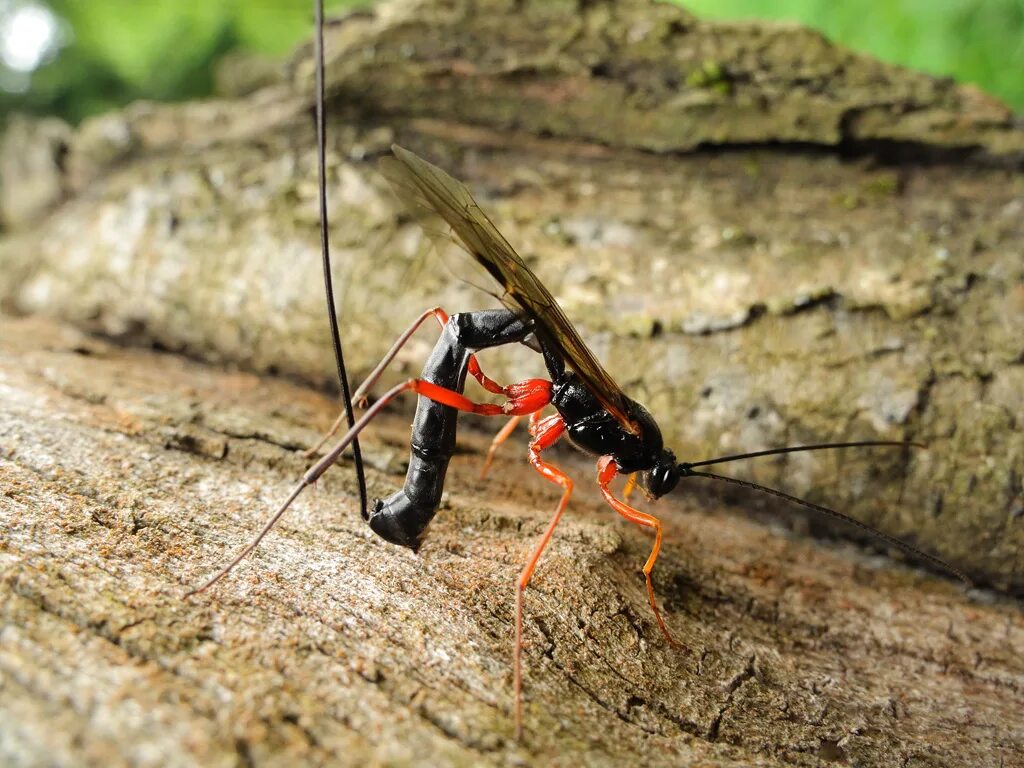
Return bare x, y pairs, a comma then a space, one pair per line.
590, 409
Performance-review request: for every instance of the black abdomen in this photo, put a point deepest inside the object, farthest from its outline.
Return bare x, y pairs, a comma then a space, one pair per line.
403, 518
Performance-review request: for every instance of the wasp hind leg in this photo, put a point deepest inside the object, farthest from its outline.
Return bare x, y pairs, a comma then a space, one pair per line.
544, 432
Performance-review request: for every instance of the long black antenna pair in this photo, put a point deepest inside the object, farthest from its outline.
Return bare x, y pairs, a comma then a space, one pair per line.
686, 469
332, 314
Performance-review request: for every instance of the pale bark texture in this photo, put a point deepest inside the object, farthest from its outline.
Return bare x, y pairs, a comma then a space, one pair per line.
768, 239
128, 476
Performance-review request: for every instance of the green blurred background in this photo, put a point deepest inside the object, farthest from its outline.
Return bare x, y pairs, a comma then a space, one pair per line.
74, 58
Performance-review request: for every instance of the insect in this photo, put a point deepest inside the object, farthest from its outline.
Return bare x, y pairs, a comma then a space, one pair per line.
590, 409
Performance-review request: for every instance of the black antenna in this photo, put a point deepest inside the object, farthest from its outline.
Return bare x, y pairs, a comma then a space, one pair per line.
332, 315
908, 548
795, 448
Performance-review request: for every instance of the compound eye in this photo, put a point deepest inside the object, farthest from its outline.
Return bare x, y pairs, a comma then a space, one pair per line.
662, 477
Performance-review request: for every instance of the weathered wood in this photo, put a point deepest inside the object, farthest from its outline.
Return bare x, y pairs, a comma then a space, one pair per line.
836, 255
648, 75
749, 298
129, 475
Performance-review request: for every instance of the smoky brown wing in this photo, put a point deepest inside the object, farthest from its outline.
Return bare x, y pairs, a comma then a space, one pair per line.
433, 189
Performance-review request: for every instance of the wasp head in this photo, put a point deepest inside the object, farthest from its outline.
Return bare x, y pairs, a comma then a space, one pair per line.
662, 477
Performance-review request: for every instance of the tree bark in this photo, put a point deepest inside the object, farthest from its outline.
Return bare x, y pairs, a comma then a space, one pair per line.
768, 239
750, 295
130, 475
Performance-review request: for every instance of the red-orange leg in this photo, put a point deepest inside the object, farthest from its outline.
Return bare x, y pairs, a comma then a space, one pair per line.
627, 491
520, 400
474, 367
545, 432
606, 471
359, 397
499, 438
489, 384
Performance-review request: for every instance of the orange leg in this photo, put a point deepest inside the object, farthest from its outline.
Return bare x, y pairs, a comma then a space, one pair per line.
523, 398
359, 397
545, 432
499, 438
630, 486
606, 471
489, 384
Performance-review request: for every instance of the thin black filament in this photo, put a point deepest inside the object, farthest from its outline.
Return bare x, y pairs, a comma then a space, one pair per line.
339, 358
796, 448
908, 548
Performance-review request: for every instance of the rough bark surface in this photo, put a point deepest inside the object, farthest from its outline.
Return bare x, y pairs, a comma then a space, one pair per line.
129, 475
750, 297
768, 239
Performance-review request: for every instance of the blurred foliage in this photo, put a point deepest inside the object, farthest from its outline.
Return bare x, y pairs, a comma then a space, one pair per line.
119, 50
974, 41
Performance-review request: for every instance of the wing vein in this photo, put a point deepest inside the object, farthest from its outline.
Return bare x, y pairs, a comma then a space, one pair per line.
429, 191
